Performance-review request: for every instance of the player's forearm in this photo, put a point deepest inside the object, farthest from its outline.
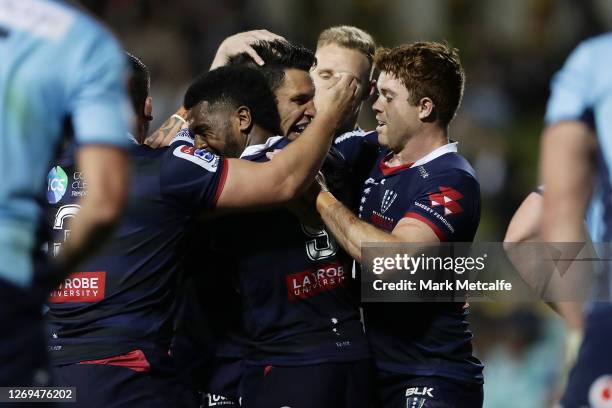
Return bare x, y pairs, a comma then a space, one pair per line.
350, 232
567, 170
106, 170
294, 169
164, 135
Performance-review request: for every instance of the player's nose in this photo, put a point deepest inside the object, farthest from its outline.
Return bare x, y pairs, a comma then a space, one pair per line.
310, 110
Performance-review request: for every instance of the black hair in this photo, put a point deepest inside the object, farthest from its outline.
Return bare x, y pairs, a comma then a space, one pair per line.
237, 86
139, 83
278, 56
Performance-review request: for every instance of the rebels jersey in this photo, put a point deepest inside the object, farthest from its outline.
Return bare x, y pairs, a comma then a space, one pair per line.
442, 191
293, 281
125, 296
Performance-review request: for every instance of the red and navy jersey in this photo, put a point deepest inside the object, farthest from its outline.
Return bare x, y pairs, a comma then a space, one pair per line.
293, 281
124, 297
431, 339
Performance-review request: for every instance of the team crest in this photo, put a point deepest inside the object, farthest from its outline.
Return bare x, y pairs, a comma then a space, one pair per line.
388, 199
447, 197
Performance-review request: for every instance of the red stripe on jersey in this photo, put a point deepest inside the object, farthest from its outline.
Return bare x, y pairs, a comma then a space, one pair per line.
429, 223
221, 183
134, 360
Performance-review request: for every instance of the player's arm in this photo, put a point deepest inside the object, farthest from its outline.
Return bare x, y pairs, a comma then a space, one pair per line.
99, 111
525, 223
351, 232
567, 158
165, 134
106, 169
525, 227
295, 167
242, 43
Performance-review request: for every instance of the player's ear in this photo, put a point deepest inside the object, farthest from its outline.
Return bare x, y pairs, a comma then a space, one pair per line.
148, 109
245, 120
426, 109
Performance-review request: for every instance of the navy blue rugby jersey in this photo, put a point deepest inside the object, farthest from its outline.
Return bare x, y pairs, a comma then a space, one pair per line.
293, 281
124, 298
430, 339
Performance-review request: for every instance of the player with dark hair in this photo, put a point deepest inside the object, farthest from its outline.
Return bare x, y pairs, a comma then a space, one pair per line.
423, 352
59, 67
111, 324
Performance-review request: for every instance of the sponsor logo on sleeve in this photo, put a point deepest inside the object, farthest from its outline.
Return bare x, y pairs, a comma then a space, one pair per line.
57, 183
446, 198
80, 287
303, 285
202, 158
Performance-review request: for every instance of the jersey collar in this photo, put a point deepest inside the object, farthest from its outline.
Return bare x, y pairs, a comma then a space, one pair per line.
254, 149
442, 150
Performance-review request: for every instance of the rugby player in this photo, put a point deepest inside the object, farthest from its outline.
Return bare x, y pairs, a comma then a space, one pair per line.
296, 340
111, 325
59, 67
422, 190
575, 166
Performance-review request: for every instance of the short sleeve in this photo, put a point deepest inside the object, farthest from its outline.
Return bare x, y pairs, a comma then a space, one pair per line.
355, 145
450, 205
571, 87
193, 178
99, 106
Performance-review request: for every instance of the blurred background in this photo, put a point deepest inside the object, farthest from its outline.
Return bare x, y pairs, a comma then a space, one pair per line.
510, 50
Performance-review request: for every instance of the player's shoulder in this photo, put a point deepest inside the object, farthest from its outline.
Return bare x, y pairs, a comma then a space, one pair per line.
601, 42
258, 152
450, 167
356, 136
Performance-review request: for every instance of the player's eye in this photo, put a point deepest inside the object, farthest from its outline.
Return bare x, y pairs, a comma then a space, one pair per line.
325, 75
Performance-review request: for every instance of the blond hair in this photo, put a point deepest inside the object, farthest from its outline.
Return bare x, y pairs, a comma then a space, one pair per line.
349, 37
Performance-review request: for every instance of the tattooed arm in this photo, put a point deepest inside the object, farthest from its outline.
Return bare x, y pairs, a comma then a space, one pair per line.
164, 135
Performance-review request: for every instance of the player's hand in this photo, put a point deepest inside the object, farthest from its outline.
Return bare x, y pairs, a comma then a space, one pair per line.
338, 97
243, 43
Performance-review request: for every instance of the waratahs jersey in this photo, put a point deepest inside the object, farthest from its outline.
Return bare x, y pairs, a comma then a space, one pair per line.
124, 298
430, 339
293, 280
56, 64
582, 91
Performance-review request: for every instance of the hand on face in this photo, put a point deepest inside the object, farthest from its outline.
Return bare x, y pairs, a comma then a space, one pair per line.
338, 97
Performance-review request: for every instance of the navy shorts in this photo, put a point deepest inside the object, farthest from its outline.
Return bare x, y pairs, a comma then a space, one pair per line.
223, 386
110, 386
590, 380
325, 385
406, 391
23, 350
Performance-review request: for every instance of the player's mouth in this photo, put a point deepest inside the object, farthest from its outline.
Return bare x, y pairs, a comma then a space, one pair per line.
381, 125
298, 128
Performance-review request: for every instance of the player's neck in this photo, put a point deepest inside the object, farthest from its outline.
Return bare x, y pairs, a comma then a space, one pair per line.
419, 146
257, 135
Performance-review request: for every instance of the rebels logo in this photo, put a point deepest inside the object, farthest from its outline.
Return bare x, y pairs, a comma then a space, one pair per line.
80, 287
305, 284
447, 197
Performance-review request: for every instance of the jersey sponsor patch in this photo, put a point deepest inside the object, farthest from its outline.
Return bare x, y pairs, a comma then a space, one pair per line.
80, 287
57, 184
446, 198
303, 285
202, 158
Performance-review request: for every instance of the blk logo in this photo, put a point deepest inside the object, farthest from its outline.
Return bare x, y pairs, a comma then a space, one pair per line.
447, 197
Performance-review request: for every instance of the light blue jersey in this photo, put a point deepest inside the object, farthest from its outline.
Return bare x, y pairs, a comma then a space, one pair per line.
55, 63
582, 90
